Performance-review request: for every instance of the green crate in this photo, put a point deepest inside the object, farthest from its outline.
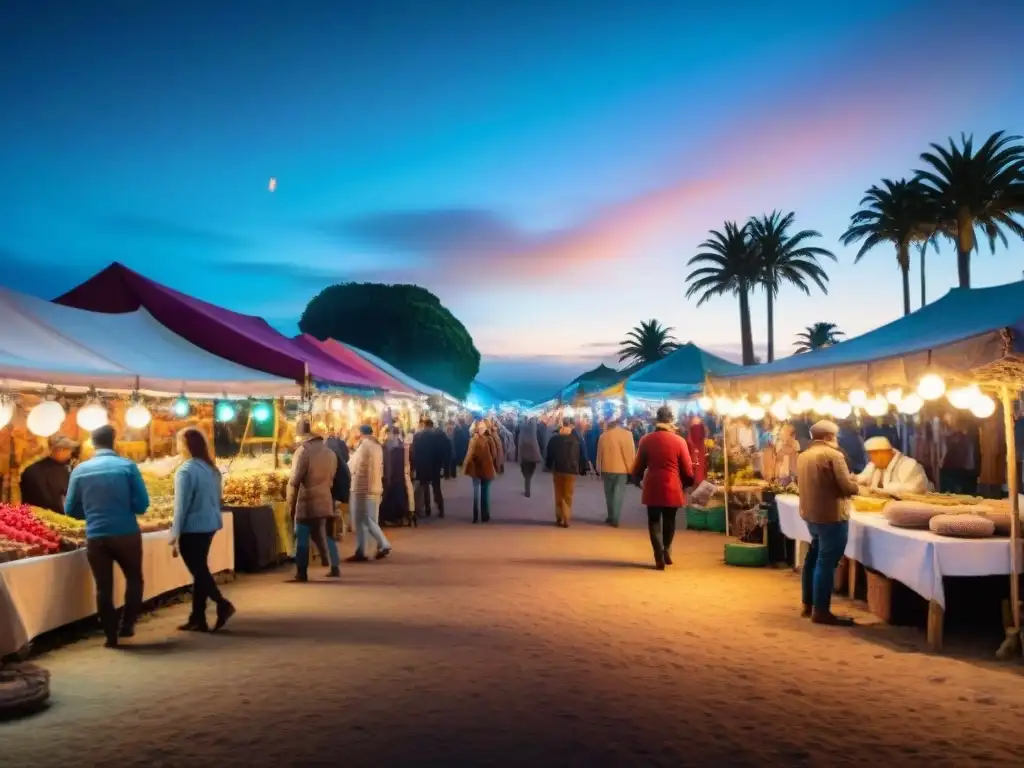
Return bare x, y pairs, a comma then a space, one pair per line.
696, 519
715, 519
745, 555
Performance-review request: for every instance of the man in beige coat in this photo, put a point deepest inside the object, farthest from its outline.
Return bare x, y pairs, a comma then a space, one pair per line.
825, 489
616, 453
310, 502
367, 467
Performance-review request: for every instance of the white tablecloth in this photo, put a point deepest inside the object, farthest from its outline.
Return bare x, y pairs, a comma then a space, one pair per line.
39, 594
918, 559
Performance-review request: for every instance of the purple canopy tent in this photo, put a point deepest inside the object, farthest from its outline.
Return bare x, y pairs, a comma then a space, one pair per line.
243, 339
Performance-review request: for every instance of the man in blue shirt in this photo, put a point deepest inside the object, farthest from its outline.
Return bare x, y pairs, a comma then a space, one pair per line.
108, 493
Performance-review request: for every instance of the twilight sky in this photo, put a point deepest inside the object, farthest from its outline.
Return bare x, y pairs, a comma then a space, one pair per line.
547, 168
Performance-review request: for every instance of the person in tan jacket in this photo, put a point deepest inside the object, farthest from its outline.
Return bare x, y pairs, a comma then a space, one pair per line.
310, 502
616, 453
367, 467
825, 487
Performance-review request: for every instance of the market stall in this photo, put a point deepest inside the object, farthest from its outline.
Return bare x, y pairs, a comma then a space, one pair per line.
40, 594
963, 353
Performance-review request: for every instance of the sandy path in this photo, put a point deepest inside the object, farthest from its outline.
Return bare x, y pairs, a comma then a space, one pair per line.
522, 644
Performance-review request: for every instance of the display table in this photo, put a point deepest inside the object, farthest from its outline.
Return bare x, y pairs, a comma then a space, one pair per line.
256, 545
39, 594
917, 559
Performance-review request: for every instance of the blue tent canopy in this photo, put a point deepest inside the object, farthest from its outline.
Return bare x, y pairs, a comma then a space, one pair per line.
678, 376
960, 334
484, 396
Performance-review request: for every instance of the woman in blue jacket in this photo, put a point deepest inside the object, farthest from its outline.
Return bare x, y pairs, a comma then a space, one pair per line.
197, 517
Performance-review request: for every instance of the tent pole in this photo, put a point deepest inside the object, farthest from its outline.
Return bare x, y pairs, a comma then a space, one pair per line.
725, 460
1012, 644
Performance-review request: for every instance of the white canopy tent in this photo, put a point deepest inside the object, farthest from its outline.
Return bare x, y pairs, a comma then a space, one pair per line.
44, 344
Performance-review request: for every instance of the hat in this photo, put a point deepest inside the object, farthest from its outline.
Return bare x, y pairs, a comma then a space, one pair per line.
825, 427
666, 415
879, 443
366, 429
60, 440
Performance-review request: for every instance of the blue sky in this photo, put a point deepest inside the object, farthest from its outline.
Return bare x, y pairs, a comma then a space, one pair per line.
546, 168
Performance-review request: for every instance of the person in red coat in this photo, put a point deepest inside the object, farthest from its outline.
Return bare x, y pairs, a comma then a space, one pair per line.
663, 466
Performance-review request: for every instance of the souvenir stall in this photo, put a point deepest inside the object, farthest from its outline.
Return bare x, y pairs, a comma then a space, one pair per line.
68, 371
963, 353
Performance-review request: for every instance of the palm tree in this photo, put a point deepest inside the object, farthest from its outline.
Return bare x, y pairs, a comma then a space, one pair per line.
981, 190
817, 336
647, 343
730, 264
785, 258
899, 213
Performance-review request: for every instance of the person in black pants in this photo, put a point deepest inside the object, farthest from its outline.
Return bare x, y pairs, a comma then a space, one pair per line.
431, 454
197, 518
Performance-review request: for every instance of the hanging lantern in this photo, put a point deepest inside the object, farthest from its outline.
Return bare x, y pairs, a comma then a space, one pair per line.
931, 387
983, 406
92, 415
181, 407
225, 412
46, 418
765, 399
858, 398
963, 397
261, 412
706, 403
824, 405
780, 410
6, 410
894, 396
756, 413
337, 404
877, 406
911, 404
722, 405
137, 416
841, 409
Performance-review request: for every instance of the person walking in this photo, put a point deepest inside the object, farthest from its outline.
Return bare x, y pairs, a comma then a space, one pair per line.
494, 435
616, 453
398, 504
310, 501
107, 492
481, 465
565, 456
367, 468
826, 487
197, 518
664, 468
461, 436
528, 449
431, 452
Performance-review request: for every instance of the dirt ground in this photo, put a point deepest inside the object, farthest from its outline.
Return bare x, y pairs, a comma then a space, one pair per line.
518, 643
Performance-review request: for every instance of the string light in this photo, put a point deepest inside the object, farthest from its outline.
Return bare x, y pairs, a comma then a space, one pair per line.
181, 407
261, 412
46, 418
92, 415
877, 406
894, 396
858, 398
963, 397
911, 404
931, 387
138, 415
225, 412
983, 406
705, 403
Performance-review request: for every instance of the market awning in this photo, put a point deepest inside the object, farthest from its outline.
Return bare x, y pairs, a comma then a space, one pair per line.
678, 376
417, 386
45, 344
347, 357
593, 382
243, 339
968, 333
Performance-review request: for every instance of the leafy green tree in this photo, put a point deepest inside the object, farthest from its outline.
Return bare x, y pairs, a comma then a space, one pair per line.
785, 258
647, 343
729, 264
817, 336
976, 191
406, 325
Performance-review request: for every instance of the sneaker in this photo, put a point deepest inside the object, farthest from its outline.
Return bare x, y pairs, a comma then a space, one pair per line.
382, 553
194, 626
831, 620
358, 557
668, 559
127, 632
334, 573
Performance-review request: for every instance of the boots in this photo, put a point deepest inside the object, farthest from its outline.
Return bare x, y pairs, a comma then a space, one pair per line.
830, 619
476, 514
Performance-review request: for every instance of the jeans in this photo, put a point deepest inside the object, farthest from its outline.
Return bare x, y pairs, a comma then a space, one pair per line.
316, 530
661, 524
195, 553
828, 544
528, 468
482, 499
126, 551
565, 485
365, 510
423, 488
614, 490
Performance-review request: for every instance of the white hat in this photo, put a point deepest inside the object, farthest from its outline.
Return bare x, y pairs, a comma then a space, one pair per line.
879, 443
825, 427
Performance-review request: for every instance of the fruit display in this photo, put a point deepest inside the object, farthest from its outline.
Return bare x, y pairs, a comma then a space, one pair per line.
23, 535
158, 485
71, 530
251, 489
159, 516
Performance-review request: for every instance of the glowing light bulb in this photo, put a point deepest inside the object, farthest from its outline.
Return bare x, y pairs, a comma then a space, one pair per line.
705, 403
181, 407
740, 408
841, 409
983, 406
225, 412
765, 399
858, 398
894, 396
91, 416
46, 418
723, 404
963, 397
911, 404
931, 387
876, 406
261, 412
824, 405
138, 416
337, 404
756, 413
780, 410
